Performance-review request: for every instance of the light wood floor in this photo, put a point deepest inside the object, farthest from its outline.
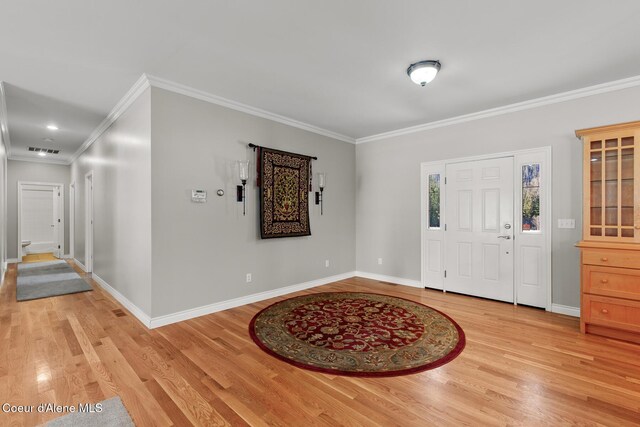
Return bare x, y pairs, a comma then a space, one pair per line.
47, 256
521, 366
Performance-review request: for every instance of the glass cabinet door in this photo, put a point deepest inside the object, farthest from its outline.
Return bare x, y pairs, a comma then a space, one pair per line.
612, 184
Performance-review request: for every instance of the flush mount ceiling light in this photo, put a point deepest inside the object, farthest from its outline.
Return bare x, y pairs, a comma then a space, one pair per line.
48, 139
42, 154
52, 127
423, 72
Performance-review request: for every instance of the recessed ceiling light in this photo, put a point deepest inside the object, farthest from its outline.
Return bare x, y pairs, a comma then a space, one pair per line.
423, 72
52, 127
42, 154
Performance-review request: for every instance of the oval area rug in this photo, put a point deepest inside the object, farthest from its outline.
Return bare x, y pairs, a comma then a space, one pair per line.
357, 334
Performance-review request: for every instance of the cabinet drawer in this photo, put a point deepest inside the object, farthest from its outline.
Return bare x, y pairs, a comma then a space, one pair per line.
612, 312
610, 281
613, 258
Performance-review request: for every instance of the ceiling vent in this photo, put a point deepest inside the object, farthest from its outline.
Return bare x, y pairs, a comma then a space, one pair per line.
43, 150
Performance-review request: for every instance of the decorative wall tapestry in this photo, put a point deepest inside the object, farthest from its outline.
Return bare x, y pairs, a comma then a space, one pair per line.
284, 194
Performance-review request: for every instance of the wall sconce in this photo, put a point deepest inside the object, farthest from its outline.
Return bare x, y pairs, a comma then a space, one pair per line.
243, 172
321, 182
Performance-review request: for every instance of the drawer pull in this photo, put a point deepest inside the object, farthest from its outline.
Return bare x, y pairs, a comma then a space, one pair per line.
604, 259
637, 227
605, 311
604, 281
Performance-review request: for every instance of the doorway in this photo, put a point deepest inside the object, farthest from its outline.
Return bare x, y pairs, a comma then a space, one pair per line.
40, 220
88, 248
486, 226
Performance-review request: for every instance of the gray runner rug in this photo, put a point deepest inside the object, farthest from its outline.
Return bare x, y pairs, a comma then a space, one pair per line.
48, 279
112, 414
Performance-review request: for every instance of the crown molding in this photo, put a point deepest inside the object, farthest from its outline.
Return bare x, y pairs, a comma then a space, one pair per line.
145, 81
511, 108
4, 120
224, 102
125, 102
39, 160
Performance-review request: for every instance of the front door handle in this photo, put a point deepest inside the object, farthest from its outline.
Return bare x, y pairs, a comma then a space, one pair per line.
504, 237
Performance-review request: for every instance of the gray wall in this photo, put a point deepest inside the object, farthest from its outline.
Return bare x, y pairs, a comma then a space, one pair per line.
36, 172
202, 252
121, 163
388, 177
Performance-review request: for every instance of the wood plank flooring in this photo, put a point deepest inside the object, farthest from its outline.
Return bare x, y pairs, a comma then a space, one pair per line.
521, 366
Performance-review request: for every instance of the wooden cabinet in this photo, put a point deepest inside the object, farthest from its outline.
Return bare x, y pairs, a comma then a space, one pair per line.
610, 246
611, 189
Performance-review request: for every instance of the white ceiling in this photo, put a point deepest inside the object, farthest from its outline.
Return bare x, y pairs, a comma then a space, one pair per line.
337, 65
29, 114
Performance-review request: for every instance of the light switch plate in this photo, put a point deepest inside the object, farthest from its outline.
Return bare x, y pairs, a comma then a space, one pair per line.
567, 223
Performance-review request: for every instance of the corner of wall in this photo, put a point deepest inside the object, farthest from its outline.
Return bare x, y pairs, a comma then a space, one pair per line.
119, 157
143, 317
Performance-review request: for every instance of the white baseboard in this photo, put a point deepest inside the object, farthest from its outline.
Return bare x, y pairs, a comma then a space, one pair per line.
390, 279
134, 309
249, 299
565, 309
555, 308
81, 265
12, 260
4, 271
66, 256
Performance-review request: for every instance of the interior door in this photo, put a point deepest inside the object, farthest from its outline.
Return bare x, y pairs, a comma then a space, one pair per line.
479, 228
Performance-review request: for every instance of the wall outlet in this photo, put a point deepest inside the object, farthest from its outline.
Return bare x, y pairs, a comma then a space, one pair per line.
326, 263
566, 223
248, 277
379, 261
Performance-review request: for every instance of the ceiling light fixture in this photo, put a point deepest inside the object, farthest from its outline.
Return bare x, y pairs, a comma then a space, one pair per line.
52, 127
42, 154
48, 139
423, 72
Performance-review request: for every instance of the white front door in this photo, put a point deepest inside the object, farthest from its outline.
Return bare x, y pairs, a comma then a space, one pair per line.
479, 217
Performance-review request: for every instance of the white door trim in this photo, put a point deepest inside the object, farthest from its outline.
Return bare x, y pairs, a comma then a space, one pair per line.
72, 219
54, 186
88, 219
437, 166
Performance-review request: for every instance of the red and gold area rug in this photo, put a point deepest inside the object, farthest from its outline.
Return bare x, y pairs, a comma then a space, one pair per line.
357, 334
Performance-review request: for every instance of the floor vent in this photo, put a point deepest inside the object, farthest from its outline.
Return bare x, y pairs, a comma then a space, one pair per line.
43, 150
